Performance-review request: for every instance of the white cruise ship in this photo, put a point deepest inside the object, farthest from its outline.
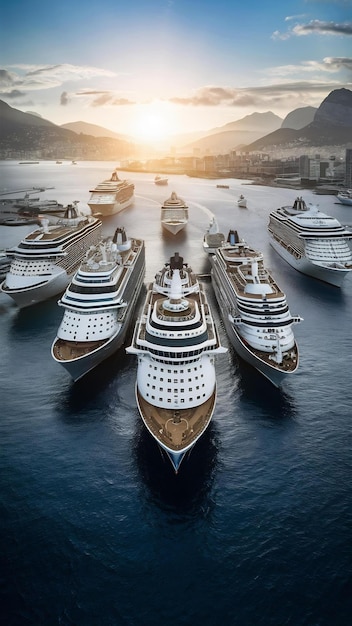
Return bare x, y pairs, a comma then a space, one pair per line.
312, 242
43, 263
99, 303
254, 310
111, 196
174, 214
176, 341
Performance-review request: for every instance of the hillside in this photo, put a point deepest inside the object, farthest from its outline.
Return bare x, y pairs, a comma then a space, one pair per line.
234, 135
93, 130
27, 132
331, 126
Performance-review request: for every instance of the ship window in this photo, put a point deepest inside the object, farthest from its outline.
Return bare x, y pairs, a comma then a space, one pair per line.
182, 399
169, 380
169, 399
161, 380
169, 391
182, 390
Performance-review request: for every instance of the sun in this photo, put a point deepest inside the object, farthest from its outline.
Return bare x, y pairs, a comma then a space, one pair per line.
153, 123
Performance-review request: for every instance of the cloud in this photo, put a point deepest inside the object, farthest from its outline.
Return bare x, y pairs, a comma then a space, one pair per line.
323, 28
328, 64
315, 27
262, 96
12, 95
35, 77
64, 98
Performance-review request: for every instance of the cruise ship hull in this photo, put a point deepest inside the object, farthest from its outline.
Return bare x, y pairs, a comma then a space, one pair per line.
272, 372
111, 208
332, 275
174, 227
37, 291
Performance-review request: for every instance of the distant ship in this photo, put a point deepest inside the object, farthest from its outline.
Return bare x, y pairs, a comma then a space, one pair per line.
345, 197
99, 303
312, 242
111, 196
27, 205
174, 214
176, 340
43, 263
161, 180
254, 310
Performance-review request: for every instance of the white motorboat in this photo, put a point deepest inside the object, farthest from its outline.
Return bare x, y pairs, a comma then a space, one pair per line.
242, 202
176, 341
43, 263
254, 310
99, 303
312, 242
161, 180
345, 197
174, 214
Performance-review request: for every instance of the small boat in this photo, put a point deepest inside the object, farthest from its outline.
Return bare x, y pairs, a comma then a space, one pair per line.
213, 238
242, 202
174, 214
43, 263
161, 180
345, 197
176, 341
312, 242
99, 303
254, 310
111, 196
223, 186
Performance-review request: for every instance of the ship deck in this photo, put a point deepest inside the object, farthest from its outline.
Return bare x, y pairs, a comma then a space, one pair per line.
176, 428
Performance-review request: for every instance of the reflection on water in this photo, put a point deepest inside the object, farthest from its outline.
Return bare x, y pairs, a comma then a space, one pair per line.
186, 493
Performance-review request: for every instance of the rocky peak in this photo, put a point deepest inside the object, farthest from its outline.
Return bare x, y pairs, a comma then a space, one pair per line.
336, 109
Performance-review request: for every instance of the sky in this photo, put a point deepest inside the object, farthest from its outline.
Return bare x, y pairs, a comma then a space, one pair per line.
150, 69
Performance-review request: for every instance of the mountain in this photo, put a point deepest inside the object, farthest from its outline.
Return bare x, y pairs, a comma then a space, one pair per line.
234, 135
93, 130
299, 118
27, 132
331, 126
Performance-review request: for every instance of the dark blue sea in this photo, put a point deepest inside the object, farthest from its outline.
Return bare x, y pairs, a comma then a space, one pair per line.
256, 529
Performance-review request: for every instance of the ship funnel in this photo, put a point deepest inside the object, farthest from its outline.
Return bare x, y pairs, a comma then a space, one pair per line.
233, 237
70, 212
176, 262
120, 236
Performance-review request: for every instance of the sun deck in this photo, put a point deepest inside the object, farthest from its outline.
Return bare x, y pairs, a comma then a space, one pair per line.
177, 428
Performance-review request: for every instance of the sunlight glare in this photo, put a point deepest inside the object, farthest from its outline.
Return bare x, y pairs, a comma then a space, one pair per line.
153, 123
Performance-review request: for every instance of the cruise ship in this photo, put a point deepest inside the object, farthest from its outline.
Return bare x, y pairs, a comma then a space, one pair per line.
176, 341
43, 263
254, 310
312, 242
174, 214
111, 196
99, 303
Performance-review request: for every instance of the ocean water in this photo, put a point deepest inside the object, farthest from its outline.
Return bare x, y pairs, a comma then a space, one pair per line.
256, 529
